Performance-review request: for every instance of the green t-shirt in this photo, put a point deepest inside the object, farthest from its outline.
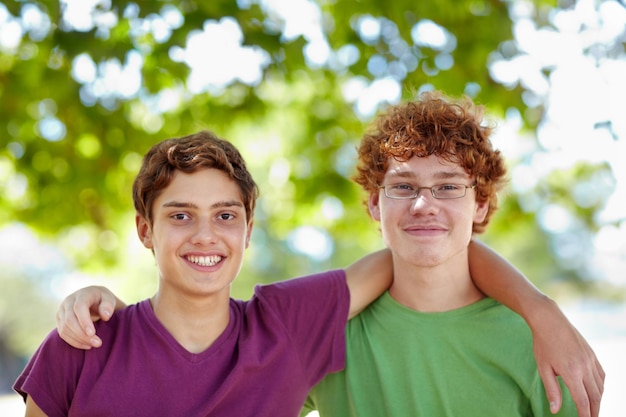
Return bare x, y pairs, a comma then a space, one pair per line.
473, 361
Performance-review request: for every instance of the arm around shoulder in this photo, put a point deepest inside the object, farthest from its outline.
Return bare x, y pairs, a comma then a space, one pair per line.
560, 350
368, 278
80, 309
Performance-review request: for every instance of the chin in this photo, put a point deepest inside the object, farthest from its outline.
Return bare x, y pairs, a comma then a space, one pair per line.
424, 258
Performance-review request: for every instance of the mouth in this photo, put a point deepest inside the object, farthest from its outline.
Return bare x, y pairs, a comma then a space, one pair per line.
205, 260
425, 230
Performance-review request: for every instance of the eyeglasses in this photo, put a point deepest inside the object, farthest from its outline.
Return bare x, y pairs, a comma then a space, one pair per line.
439, 191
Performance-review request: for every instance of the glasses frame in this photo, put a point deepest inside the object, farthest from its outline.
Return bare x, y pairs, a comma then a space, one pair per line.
432, 191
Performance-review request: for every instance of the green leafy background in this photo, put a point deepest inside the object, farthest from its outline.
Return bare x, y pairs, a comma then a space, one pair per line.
295, 127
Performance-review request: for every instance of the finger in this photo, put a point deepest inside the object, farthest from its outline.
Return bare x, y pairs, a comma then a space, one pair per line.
580, 396
596, 389
95, 341
76, 331
599, 375
107, 306
79, 317
69, 334
594, 386
594, 402
552, 387
76, 342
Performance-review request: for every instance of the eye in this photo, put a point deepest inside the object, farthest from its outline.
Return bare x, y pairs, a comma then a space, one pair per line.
180, 216
226, 216
402, 187
447, 187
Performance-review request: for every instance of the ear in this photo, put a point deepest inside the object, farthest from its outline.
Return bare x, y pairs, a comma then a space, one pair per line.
481, 212
373, 204
144, 231
249, 233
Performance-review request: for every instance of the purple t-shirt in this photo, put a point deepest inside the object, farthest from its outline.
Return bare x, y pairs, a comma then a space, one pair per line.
275, 348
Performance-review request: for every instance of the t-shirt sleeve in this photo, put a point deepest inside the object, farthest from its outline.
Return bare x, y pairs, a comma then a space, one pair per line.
314, 312
51, 376
308, 407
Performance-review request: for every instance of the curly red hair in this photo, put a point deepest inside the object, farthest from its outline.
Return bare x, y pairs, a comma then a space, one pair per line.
434, 125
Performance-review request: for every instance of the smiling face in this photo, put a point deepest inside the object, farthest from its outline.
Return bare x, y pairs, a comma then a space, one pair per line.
425, 231
433, 124
198, 233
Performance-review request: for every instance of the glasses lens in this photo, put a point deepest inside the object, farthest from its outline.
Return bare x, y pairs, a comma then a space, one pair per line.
442, 191
449, 191
399, 191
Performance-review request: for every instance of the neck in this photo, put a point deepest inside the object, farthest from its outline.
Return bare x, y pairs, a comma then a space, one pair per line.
435, 288
194, 323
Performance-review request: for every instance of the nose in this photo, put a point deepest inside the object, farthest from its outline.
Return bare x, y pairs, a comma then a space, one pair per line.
204, 234
424, 202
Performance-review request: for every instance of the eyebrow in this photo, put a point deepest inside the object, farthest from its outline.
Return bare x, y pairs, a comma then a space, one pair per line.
442, 175
219, 204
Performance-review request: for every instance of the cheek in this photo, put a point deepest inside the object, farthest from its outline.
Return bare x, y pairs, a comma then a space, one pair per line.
163, 239
236, 236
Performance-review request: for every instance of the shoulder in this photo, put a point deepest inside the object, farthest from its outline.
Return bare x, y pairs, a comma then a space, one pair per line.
492, 307
305, 286
504, 326
126, 319
54, 352
293, 299
54, 345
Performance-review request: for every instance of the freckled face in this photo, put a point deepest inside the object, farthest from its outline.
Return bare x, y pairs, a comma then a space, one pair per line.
425, 231
199, 233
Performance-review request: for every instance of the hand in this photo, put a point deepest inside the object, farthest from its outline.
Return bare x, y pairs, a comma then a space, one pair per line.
560, 350
79, 310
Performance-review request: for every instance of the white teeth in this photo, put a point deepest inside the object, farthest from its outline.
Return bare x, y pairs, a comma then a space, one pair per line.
205, 260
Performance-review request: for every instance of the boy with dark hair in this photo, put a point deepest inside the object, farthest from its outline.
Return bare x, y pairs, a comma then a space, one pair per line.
191, 350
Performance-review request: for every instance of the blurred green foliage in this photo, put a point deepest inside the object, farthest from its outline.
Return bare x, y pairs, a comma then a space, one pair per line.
295, 127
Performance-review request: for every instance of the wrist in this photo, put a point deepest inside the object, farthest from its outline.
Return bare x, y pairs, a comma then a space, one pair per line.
537, 310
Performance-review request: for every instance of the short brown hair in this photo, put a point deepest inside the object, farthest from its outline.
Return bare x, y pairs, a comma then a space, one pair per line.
434, 125
189, 154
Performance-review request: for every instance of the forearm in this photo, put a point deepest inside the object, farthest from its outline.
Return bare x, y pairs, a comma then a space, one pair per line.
499, 279
368, 278
559, 348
